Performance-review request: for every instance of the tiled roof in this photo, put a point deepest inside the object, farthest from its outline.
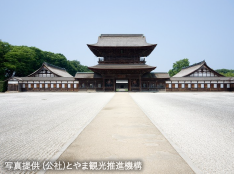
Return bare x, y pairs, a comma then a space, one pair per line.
54, 69
121, 66
156, 75
87, 75
57, 70
47, 78
200, 78
118, 40
187, 70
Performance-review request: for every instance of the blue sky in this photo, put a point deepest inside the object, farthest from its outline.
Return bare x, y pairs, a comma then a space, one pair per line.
194, 29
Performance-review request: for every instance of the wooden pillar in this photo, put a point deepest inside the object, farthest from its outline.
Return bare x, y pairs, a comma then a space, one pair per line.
114, 81
148, 85
140, 81
103, 84
129, 84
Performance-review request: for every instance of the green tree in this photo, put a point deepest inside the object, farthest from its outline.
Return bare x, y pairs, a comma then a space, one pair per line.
74, 66
178, 65
226, 72
21, 60
4, 48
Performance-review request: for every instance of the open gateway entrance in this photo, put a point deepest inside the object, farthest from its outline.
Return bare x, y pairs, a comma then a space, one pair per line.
121, 85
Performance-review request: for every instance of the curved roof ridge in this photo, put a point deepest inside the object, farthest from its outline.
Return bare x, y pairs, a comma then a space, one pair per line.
188, 70
194, 64
191, 69
121, 40
54, 66
61, 72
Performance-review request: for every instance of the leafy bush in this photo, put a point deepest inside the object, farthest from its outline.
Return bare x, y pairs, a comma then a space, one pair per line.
3, 86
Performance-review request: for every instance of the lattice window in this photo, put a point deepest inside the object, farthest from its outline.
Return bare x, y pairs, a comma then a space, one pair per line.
135, 83
152, 85
144, 85
108, 82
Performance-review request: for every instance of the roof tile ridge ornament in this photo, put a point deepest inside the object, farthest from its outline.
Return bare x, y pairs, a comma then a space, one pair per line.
202, 62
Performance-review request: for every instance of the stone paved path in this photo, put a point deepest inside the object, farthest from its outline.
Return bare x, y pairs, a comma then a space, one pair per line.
120, 132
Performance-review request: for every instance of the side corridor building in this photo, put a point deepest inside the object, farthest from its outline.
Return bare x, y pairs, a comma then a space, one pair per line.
122, 67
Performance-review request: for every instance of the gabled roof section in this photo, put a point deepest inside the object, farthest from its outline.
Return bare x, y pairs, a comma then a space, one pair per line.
192, 68
60, 72
87, 75
47, 78
201, 78
158, 75
121, 40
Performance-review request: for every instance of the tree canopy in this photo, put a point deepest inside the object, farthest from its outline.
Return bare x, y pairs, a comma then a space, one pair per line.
226, 72
178, 65
23, 60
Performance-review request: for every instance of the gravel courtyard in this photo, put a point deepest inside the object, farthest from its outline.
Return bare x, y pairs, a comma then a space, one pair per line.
35, 126
200, 124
